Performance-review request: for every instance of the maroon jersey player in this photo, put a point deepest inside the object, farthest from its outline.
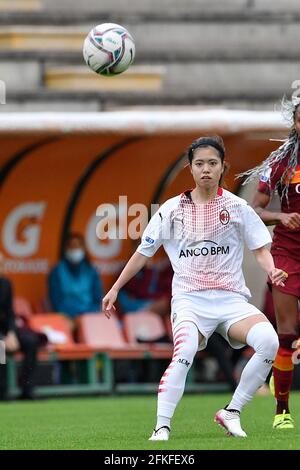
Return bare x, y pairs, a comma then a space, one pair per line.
281, 172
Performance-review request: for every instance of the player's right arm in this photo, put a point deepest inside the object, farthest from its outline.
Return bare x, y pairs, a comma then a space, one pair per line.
134, 265
152, 239
260, 202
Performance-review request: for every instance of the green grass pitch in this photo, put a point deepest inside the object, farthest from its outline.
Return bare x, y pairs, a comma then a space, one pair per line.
117, 423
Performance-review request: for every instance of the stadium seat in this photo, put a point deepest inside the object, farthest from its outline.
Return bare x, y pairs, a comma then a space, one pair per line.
58, 330
145, 326
98, 331
40, 38
22, 307
20, 5
54, 321
137, 78
105, 335
41, 48
148, 326
62, 348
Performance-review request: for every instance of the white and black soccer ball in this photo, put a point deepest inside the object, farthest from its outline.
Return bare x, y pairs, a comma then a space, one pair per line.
109, 49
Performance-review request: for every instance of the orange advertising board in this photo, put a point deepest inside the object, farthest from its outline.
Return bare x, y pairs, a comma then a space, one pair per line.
51, 184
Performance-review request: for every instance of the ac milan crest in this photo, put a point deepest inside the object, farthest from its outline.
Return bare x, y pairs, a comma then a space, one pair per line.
224, 217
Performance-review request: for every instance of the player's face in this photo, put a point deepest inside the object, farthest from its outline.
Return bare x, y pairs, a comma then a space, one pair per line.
297, 120
206, 167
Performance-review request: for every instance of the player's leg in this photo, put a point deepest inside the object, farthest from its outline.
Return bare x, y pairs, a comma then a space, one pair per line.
258, 333
171, 386
286, 310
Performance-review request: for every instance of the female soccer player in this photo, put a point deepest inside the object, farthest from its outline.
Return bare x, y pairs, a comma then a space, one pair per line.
281, 172
203, 233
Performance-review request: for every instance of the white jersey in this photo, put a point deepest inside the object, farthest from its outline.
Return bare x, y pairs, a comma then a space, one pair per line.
205, 242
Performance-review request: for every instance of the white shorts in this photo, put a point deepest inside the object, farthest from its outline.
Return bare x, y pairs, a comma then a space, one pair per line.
211, 311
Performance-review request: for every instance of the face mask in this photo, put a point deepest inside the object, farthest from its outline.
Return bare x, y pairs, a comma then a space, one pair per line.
75, 256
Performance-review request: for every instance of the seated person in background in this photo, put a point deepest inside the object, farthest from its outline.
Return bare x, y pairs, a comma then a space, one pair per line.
149, 289
17, 338
74, 284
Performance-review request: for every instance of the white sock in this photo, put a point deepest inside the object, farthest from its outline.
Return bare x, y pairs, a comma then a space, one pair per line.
264, 340
163, 421
172, 383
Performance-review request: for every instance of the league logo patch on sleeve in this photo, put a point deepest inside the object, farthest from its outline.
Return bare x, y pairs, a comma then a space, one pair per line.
266, 175
149, 240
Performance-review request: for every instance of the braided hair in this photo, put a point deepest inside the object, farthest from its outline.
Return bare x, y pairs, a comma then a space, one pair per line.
289, 148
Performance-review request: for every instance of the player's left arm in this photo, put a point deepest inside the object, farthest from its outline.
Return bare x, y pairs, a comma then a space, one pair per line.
266, 262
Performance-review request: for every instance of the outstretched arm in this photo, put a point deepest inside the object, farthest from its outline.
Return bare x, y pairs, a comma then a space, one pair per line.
134, 265
265, 260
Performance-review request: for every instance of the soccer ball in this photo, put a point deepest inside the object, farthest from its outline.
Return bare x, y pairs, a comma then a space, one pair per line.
108, 49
